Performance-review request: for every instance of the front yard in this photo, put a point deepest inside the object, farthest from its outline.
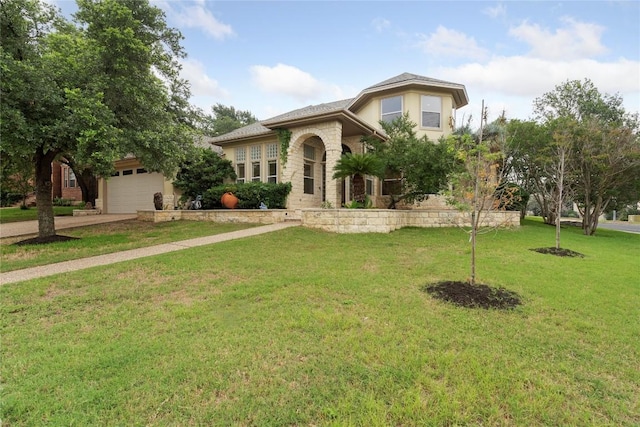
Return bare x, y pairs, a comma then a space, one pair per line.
302, 327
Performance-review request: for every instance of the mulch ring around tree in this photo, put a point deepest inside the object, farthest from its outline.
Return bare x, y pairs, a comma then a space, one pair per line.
45, 240
558, 252
466, 295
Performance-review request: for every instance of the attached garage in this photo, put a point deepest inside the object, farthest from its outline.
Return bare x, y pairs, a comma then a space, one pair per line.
131, 189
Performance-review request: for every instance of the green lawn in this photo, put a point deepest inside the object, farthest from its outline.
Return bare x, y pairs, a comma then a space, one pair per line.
16, 214
104, 238
302, 327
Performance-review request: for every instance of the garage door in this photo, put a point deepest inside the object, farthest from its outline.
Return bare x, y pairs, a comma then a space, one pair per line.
129, 190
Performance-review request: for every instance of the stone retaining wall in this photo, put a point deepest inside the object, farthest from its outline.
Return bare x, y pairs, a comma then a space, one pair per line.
339, 220
249, 216
385, 220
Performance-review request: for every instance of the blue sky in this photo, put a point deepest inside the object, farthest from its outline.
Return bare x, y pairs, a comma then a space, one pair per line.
270, 57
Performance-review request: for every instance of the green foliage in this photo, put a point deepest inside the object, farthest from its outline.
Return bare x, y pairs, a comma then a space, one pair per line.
600, 144
91, 91
206, 170
284, 137
423, 165
8, 198
250, 195
59, 201
354, 204
358, 166
226, 119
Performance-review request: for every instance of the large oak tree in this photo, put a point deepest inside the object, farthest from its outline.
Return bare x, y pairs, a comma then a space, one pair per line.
92, 91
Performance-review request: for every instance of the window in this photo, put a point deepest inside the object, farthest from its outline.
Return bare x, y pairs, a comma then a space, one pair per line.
240, 173
127, 172
272, 151
272, 163
255, 171
309, 152
368, 186
431, 108
272, 173
141, 170
256, 156
69, 178
390, 108
241, 156
309, 157
308, 178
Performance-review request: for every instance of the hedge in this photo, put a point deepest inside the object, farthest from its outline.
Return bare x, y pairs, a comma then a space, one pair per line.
250, 195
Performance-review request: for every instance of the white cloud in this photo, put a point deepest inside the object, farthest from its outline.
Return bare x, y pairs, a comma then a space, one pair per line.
197, 16
574, 40
500, 11
201, 83
520, 75
452, 43
515, 81
380, 24
287, 80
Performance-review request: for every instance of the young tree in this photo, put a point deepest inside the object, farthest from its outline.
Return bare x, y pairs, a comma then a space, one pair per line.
91, 92
475, 186
423, 167
358, 166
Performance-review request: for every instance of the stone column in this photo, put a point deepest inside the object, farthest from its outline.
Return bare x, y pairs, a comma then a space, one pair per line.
333, 147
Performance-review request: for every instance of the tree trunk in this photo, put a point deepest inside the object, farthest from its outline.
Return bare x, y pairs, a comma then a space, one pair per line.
359, 191
590, 216
46, 225
88, 186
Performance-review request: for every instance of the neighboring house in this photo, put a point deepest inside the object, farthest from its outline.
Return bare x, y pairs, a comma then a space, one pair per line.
64, 183
320, 134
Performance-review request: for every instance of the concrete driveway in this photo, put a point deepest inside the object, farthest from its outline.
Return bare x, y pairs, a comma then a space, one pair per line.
25, 228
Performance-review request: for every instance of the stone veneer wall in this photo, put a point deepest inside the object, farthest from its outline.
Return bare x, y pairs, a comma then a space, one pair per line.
249, 216
385, 220
339, 220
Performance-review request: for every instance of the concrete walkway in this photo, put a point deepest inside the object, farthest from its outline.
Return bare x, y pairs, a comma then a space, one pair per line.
24, 228
79, 264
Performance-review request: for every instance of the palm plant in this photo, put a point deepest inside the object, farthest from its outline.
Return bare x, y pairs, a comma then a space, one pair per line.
357, 166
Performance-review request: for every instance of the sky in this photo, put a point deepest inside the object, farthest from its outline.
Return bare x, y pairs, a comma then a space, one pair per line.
270, 57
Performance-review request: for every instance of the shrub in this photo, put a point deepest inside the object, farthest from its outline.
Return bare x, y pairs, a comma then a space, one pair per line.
9, 199
205, 170
59, 201
249, 194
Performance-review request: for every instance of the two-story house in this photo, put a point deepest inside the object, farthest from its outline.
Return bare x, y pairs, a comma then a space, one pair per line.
319, 134
303, 146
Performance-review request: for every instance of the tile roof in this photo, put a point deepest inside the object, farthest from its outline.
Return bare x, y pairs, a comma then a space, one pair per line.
254, 129
405, 77
310, 110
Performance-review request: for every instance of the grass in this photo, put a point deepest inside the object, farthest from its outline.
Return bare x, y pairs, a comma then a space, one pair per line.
104, 238
302, 327
16, 214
